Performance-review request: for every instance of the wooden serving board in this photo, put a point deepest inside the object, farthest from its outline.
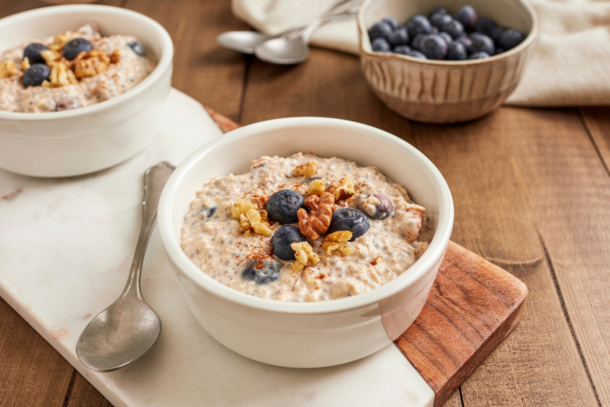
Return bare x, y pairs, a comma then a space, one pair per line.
473, 305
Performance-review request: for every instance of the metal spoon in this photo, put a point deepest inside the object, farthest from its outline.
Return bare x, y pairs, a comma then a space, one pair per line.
295, 49
128, 328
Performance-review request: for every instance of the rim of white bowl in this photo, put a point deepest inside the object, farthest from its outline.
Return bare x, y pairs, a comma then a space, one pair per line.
527, 42
167, 53
434, 252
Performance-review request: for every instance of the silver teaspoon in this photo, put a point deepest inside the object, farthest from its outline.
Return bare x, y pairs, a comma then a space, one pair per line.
128, 328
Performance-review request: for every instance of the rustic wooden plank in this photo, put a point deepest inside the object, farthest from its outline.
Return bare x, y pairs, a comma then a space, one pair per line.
597, 121
539, 364
84, 394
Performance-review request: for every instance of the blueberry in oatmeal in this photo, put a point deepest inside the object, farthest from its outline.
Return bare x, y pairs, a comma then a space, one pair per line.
376, 206
67, 103
35, 75
262, 271
350, 220
32, 53
75, 47
282, 240
283, 205
137, 47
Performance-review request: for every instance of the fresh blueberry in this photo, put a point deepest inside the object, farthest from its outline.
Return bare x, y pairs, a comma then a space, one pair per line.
283, 238
67, 103
456, 51
399, 37
381, 45
418, 24
464, 40
416, 54
211, 211
308, 181
416, 42
75, 47
499, 50
439, 19
351, 220
282, 206
434, 47
138, 48
453, 28
262, 271
479, 55
467, 16
35, 75
446, 37
481, 43
402, 49
32, 53
433, 30
485, 25
392, 22
437, 10
497, 32
380, 30
380, 211
511, 38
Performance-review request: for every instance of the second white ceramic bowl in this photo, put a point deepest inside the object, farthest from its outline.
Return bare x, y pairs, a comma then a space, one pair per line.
74, 142
307, 334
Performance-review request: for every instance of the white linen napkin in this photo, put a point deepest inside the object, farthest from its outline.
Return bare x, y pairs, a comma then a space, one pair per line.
569, 67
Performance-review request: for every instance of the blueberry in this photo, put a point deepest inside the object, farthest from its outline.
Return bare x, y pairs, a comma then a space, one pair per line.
511, 38
211, 211
437, 10
434, 47
481, 43
380, 30
35, 75
464, 40
456, 51
467, 16
479, 55
32, 53
416, 54
392, 22
418, 24
439, 20
75, 47
399, 37
282, 206
402, 49
138, 48
349, 219
283, 238
485, 25
262, 271
381, 210
446, 37
499, 50
416, 42
381, 45
453, 28
497, 32
67, 103
433, 30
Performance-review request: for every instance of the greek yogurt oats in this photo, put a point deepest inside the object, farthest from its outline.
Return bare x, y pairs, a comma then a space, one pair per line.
304, 228
70, 71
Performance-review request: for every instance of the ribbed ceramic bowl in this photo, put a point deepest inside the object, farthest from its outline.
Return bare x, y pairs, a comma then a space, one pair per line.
445, 91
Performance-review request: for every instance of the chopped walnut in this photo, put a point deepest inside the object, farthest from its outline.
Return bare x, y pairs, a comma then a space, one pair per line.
60, 76
410, 222
51, 57
241, 207
62, 39
253, 219
308, 170
87, 65
25, 63
304, 256
342, 190
316, 187
337, 241
115, 57
316, 222
7, 69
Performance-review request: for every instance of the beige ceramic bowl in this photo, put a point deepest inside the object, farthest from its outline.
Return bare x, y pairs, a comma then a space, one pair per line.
445, 91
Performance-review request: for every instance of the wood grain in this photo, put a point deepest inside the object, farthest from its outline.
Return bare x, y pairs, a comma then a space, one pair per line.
597, 122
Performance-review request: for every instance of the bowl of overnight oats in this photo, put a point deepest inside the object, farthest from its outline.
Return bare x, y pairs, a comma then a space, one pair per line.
82, 88
306, 242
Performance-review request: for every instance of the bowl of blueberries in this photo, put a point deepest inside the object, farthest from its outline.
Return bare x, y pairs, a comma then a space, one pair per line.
447, 61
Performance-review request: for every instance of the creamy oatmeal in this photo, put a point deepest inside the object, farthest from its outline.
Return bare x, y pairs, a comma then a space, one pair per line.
304, 228
71, 70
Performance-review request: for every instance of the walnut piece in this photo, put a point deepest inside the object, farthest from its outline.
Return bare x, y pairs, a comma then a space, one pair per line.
308, 170
115, 57
60, 76
51, 57
62, 39
88, 65
241, 207
316, 222
304, 256
337, 241
410, 222
343, 190
251, 218
316, 187
7, 69
25, 63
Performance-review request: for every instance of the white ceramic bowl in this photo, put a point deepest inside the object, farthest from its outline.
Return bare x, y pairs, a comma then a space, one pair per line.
307, 334
84, 140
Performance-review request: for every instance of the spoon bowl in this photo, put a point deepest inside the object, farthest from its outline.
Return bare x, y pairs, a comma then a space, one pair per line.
242, 41
283, 51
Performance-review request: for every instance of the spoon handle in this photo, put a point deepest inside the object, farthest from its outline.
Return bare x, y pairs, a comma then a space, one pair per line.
154, 180
339, 10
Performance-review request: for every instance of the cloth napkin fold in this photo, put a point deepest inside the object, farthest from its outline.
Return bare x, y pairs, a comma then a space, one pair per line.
570, 65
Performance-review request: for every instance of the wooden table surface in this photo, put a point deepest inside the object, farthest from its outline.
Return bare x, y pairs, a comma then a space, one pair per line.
531, 190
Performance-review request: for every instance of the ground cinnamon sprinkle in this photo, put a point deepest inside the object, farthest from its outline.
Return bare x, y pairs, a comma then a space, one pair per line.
374, 261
